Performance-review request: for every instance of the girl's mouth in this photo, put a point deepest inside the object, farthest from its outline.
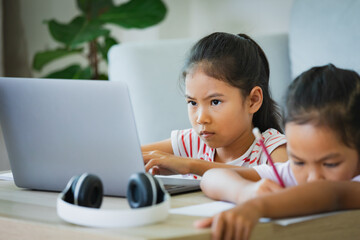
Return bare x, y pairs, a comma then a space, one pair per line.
206, 134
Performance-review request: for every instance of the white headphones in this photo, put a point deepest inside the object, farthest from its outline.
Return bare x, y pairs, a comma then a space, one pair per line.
81, 199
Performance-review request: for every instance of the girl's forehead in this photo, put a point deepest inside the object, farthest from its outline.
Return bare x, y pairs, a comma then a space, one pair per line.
310, 132
311, 142
198, 77
201, 84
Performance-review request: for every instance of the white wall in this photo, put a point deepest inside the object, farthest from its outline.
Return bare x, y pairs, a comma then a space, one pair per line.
196, 18
185, 19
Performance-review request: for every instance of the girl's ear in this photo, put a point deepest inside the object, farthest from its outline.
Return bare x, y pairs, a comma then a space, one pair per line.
255, 99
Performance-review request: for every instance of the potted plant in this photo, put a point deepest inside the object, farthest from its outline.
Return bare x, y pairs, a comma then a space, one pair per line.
87, 35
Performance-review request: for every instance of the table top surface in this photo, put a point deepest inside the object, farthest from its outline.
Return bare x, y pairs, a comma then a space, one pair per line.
27, 211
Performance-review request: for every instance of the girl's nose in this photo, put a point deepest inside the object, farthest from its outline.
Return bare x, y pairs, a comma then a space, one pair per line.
202, 117
314, 175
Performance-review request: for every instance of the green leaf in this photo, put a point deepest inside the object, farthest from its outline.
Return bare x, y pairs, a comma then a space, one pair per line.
136, 14
78, 31
71, 72
93, 8
47, 56
104, 48
103, 77
84, 74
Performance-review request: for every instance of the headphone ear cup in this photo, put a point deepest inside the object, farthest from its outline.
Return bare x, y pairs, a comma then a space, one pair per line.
160, 190
144, 190
88, 191
68, 192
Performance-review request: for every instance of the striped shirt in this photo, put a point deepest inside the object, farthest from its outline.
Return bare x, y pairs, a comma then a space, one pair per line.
186, 143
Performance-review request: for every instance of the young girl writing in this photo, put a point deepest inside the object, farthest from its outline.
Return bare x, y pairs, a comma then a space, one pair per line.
227, 90
323, 133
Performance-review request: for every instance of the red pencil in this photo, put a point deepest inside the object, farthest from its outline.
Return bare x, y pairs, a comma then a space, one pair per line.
257, 134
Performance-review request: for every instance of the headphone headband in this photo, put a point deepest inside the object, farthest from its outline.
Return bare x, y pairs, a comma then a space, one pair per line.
107, 218
80, 201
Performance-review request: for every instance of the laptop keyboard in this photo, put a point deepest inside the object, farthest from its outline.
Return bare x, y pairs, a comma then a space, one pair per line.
177, 189
169, 187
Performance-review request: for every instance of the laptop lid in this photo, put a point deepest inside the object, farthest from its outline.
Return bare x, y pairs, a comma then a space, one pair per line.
55, 129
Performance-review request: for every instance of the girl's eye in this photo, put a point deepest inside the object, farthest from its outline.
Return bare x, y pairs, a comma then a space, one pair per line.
215, 102
331, 165
299, 163
192, 103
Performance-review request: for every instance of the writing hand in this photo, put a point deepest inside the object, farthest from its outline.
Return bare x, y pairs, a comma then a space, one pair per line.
256, 189
265, 186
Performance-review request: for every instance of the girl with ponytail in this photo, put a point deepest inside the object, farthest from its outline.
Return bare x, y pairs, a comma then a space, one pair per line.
226, 80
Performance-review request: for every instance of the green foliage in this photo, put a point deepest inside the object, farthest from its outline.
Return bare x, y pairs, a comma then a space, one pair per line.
89, 29
135, 14
78, 31
72, 72
104, 48
45, 57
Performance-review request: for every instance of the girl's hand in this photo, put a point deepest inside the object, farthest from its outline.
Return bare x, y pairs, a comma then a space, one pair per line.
236, 223
165, 163
256, 189
265, 186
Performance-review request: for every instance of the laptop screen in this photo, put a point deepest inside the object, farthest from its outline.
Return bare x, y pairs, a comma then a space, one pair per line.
54, 129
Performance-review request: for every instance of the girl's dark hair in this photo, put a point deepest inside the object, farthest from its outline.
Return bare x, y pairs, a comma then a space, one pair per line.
239, 61
327, 96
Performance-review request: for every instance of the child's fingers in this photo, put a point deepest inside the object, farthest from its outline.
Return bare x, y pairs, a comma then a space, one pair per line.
149, 165
158, 167
146, 157
152, 161
218, 226
154, 170
267, 186
203, 223
241, 228
228, 231
246, 233
273, 186
239, 231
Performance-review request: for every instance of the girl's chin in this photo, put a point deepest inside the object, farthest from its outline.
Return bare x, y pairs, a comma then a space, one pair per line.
211, 144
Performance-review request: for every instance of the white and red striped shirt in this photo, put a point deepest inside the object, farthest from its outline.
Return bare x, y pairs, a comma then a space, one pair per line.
186, 143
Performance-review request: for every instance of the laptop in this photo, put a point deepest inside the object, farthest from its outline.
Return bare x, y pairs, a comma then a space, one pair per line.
55, 129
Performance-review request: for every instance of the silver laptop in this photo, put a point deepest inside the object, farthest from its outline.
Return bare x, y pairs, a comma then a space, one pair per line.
55, 129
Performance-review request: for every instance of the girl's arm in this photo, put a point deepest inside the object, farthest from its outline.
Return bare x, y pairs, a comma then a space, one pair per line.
179, 165
279, 154
163, 146
236, 185
310, 198
160, 155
